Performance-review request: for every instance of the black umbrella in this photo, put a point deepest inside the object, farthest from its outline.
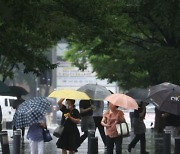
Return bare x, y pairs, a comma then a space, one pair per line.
17, 91
139, 94
166, 97
3, 88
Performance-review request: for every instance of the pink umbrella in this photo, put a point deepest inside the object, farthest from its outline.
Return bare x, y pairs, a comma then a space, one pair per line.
122, 100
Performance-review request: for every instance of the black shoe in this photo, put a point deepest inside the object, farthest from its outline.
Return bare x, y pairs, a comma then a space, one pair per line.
129, 148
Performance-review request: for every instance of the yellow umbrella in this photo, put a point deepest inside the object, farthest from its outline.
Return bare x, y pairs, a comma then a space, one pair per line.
69, 94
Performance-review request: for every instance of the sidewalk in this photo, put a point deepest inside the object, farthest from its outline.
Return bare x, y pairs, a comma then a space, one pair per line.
154, 144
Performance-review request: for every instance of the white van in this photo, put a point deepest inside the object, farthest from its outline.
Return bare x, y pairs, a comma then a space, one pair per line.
7, 111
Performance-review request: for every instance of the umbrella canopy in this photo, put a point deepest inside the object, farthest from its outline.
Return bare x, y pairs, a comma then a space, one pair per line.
30, 112
139, 94
69, 94
3, 88
122, 100
95, 91
17, 91
166, 97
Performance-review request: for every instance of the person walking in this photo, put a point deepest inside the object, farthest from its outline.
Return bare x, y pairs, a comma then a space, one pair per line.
35, 137
87, 121
110, 118
70, 137
97, 116
139, 129
15, 106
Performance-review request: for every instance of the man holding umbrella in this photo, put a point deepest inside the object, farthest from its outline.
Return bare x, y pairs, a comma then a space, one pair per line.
15, 106
87, 121
97, 116
18, 92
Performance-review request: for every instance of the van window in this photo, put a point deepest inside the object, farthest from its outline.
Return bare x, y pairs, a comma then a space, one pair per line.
6, 102
11, 102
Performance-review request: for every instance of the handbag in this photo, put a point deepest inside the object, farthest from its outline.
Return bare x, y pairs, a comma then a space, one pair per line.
123, 129
58, 131
46, 135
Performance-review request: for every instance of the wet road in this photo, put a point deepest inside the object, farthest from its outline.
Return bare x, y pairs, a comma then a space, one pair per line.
154, 144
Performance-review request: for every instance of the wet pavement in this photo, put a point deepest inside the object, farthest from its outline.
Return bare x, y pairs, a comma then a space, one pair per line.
154, 144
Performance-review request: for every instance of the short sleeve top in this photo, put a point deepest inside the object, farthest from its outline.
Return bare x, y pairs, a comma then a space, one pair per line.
84, 104
111, 119
68, 124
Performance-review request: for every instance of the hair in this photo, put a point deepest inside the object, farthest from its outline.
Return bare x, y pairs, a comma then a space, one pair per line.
111, 103
72, 101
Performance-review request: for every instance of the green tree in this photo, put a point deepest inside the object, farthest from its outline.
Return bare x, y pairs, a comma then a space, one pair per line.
133, 42
27, 30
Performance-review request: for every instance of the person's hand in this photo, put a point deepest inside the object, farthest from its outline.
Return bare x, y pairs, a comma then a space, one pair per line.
107, 125
60, 102
93, 107
43, 125
67, 115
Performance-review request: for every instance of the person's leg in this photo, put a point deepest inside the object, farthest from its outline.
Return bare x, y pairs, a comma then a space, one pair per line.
101, 129
23, 131
110, 145
33, 146
14, 128
133, 142
64, 151
83, 137
118, 143
143, 143
71, 152
40, 147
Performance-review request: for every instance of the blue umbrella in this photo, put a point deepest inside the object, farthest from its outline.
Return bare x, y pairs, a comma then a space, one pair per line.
30, 111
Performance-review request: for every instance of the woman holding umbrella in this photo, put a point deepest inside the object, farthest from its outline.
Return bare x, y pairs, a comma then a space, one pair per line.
35, 136
70, 137
110, 118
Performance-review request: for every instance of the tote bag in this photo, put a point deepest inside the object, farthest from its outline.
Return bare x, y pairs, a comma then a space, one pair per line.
123, 129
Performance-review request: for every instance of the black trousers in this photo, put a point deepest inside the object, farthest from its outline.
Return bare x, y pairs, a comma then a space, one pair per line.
142, 139
97, 121
114, 141
83, 137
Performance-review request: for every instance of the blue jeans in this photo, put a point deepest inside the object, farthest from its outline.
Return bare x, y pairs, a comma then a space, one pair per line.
114, 141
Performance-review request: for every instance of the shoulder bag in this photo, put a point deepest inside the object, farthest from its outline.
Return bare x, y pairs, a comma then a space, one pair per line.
58, 131
46, 135
123, 129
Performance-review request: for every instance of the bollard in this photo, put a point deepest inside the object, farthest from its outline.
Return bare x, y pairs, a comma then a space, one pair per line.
91, 133
4, 142
167, 141
177, 145
17, 141
93, 146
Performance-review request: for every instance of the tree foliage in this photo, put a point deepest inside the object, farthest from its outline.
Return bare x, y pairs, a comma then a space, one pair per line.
133, 42
27, 30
